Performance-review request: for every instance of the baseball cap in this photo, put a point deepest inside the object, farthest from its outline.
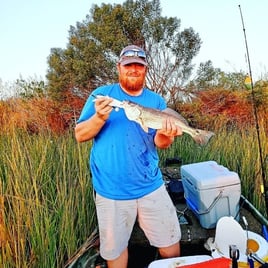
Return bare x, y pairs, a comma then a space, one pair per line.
132, 54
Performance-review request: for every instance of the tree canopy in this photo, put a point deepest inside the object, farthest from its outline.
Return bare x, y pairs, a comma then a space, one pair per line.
90, 58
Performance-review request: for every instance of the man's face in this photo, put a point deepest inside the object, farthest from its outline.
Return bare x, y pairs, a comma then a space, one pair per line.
132, 76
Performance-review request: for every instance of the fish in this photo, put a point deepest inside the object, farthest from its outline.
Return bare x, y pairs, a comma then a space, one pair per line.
153, 118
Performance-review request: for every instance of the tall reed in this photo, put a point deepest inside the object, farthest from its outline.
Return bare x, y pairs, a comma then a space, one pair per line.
47, 208
46, 202
235, 149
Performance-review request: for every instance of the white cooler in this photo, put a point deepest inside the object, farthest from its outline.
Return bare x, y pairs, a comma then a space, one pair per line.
211, 191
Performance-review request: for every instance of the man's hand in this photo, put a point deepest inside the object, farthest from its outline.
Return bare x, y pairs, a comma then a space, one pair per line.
169, 128
165, 136
102, 107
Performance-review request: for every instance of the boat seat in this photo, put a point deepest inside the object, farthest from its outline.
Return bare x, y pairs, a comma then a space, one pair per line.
230, 232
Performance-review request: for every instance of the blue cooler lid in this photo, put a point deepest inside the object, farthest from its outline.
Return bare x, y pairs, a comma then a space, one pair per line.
208, 174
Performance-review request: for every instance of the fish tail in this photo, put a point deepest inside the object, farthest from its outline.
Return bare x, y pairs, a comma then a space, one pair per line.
202, 137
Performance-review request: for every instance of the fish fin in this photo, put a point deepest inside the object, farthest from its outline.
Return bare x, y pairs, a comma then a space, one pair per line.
172, 112
144, 128
202, 137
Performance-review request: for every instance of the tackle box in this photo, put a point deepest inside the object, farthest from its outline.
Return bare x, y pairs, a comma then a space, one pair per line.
211, 191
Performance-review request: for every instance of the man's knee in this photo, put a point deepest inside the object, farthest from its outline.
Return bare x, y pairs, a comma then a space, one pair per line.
171, 251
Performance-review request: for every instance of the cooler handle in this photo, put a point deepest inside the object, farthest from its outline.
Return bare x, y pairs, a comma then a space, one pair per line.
209, 208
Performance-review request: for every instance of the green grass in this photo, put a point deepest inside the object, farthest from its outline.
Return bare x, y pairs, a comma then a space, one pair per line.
237, 150
46, 200
47, 208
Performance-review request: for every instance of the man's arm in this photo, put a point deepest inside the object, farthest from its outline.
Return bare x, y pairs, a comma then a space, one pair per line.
88, 129
164, 137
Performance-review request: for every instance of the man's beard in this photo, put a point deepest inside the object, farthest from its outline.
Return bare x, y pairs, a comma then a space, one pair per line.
132, 85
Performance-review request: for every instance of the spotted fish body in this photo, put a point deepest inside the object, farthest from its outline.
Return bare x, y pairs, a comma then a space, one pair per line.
153, 118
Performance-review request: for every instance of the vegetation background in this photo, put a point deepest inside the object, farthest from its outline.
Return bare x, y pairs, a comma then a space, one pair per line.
46, 204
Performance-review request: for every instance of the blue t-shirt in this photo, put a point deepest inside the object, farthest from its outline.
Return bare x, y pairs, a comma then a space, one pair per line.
124, 159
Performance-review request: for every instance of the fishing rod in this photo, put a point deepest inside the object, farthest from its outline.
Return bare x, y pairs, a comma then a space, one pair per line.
264, 186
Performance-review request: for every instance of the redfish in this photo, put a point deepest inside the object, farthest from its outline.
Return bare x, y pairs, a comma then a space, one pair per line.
153, 118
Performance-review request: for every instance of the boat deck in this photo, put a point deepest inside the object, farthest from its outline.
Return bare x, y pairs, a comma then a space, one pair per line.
193, 238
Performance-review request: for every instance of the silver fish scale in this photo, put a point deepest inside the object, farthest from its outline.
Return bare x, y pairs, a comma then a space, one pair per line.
154, 121
152, 118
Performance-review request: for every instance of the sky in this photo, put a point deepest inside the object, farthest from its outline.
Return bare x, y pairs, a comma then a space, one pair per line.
30, 28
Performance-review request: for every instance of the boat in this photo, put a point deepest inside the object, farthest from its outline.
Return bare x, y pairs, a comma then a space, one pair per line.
202, 244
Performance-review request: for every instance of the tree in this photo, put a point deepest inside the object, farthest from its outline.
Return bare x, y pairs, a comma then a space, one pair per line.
31, 88
208, 77
94, 45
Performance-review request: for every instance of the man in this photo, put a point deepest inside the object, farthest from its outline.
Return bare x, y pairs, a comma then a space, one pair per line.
124, 165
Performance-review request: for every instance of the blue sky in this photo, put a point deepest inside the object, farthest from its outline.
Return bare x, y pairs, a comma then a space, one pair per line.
30, 28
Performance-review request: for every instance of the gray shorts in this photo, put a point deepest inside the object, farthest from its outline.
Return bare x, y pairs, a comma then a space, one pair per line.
156, 215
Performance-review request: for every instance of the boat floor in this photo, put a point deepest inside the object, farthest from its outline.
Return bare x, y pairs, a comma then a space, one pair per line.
194, 236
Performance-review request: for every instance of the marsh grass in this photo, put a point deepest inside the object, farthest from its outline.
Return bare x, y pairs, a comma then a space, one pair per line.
46, 201
47, 208
237, 150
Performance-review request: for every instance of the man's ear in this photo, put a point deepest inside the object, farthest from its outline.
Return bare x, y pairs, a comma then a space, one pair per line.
117, 65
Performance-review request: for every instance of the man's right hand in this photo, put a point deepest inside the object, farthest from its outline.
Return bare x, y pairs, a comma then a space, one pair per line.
102, 107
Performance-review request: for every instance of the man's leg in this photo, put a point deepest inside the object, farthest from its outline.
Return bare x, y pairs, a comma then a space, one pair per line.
158, 218
120, 262
116, 219
171, 251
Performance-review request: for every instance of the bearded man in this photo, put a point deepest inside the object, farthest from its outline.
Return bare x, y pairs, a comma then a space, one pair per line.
124, 164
